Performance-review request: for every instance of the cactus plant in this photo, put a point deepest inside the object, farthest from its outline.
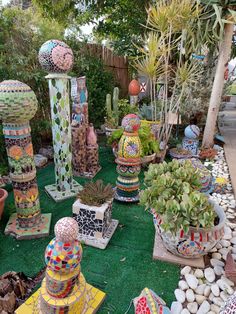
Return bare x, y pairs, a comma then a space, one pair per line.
112, 118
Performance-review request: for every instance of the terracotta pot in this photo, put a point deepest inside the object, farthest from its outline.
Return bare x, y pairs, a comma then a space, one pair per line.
3, 196
197, 242
145, 160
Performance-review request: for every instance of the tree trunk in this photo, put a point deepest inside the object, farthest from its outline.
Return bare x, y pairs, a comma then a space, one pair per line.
217, 89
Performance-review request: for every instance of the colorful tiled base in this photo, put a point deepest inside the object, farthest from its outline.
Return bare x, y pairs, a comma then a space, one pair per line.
94, 296
60, 196
161, 253
100, 243
128, 199
89, 175
39, 231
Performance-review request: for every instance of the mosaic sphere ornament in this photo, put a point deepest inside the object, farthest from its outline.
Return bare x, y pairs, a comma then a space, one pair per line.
230, 305
134, 88
192, 131
56, 57
64, 252
131, 123
66, 229
18, 103
63, 257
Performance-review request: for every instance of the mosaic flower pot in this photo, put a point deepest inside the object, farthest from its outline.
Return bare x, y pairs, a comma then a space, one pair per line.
92, 220
195, 243
182, 154
3, 196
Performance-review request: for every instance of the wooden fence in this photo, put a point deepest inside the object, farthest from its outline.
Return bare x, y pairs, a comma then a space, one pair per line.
118, 65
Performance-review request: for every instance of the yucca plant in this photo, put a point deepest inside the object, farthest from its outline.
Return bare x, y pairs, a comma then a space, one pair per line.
96, 193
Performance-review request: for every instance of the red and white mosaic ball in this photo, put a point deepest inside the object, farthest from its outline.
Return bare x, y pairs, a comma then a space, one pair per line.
66, 229
55, 56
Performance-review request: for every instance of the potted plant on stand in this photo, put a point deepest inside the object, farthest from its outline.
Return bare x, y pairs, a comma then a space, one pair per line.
150, 146
189, 224
93, 212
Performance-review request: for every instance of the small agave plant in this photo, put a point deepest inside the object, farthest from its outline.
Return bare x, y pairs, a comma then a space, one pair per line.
96, 193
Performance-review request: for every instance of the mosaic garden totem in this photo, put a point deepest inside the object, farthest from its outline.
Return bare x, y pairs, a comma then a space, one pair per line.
134, 90
128, 161
64, 289
84, 148
190, 141
57, 58
18, 104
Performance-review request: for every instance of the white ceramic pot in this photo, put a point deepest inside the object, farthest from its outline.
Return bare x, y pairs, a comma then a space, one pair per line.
197, 242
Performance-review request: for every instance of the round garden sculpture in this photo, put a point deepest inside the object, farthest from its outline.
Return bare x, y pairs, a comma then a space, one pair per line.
128, 161
57, 58
190, 141
18, 104
64, 289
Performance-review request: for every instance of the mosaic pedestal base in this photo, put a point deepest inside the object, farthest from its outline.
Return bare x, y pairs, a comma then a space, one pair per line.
94, 297
39, 231
161, 253
89, 175
134, 199
60, 196
100, 243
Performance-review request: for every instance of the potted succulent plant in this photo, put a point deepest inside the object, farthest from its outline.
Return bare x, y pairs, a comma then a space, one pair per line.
93, 209
180, 153
189, 224
3, 196
150, 146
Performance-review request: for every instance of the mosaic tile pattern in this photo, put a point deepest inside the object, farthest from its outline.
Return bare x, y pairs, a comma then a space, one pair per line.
59, 196
61, 131
18, 103
92, 221
191, 145
64, 290
56, 57
128, 161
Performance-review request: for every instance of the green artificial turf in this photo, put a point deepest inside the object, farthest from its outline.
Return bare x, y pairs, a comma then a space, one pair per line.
122, 270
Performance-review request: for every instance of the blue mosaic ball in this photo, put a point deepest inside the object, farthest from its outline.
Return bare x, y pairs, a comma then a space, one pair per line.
192, 131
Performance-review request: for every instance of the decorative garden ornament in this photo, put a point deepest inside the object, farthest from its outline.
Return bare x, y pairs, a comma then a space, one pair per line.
93, 213
196, 242
148, 302
57, 58
134, 90
85, 159
64, 288
18, 104
230, 305
128, 161
191, 141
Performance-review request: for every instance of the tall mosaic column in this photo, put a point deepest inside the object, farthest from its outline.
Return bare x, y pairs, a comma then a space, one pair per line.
84, 150
18, 104
64, 289
129, 161
57, 58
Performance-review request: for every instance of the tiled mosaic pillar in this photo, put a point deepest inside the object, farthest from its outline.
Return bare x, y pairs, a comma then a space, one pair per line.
18, 105
64, 289
84, 155
57, 58
128, 161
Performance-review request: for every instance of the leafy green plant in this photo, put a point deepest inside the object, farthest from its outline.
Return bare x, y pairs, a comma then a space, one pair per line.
124, 108
149, 144
172, 192
96, 193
